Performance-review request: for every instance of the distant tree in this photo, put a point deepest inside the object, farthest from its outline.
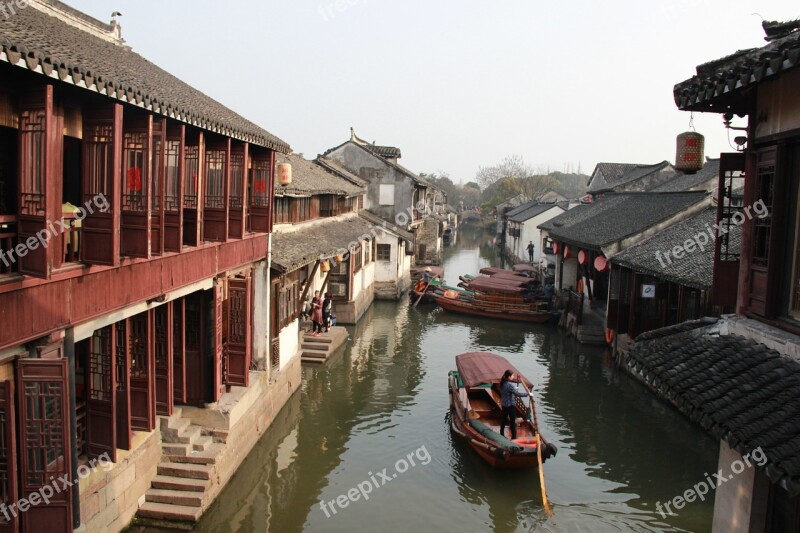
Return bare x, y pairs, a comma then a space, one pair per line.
500, 191
473, 185
513, 166
471, 195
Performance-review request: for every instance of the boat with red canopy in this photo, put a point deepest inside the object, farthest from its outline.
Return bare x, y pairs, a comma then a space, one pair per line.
475, 410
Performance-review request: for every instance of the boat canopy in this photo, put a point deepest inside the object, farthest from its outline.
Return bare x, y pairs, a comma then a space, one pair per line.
480, 368
523, 267
487, 285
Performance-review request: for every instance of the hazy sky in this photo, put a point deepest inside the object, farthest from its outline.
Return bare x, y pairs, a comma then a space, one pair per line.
456, 84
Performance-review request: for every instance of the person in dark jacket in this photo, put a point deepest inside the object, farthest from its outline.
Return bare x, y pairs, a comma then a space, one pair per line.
507, 394
327, 305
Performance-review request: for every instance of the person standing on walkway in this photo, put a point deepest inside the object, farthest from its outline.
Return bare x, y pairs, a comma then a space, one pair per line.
327, 305
507, 394
530, 251
316, 314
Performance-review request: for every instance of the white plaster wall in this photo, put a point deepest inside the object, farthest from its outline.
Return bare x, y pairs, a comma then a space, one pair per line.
387, 271
734, 508
290, 343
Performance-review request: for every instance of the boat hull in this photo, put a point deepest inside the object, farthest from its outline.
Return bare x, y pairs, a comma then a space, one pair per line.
475, 309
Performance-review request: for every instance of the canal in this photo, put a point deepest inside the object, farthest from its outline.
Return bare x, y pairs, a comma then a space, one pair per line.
377, 414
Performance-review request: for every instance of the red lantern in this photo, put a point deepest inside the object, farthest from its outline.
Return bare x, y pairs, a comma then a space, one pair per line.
135, 179
582, 257
689, 155
567, 252
600, 263
556, 248
285, 174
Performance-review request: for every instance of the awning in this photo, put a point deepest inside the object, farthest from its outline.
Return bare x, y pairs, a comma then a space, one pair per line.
479, 368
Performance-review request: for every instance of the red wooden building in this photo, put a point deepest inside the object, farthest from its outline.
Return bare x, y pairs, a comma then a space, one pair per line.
134, 231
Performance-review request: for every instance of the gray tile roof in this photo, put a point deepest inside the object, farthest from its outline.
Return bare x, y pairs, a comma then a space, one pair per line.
377, 221
337, 168
617, 216
630, 174
705, 179
736, 389
719, 83
695, 269
606, 173
366, 147
385, 151
77, 57
311, 178
529, 210
295, 249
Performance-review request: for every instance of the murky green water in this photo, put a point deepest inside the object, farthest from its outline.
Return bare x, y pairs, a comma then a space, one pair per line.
382, 403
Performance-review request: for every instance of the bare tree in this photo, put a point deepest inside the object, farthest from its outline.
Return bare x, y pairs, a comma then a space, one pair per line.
513, 166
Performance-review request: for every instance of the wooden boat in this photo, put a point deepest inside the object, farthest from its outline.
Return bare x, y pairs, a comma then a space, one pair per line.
476, 411
486, 306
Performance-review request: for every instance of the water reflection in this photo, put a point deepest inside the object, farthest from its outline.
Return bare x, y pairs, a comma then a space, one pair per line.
385, 395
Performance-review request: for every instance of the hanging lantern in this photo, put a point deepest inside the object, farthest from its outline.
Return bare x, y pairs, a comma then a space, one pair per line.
600, 263
284, 174
325, 266
339, 258
689, 155
556, 248
582, 257
567, 251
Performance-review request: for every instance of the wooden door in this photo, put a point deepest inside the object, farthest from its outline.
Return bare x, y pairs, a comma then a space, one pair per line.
101, 401
218, 388
194, 165
44, 437
239, 337
174, 158
194, 325
102, 168
123, 381
8, 456
163, 355
217, 190
178, 352
237, 200
141, 372
157, 174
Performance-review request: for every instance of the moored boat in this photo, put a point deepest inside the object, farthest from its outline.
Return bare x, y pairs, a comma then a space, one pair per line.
486, 306
476, 411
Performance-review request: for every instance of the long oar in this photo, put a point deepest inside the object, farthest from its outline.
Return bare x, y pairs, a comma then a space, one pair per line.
424, 291
538, 450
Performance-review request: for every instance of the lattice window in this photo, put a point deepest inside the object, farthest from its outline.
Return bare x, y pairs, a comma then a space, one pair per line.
172, 176
384, 252
32, 162
259, 178
275, 354
191, 160
237, 317
44, 431
138, 345
215, 179
100, 365
135, 170
732, 202
98, 162
762, 227
121, 333
357, 258
156, 173
237, 181
161, 330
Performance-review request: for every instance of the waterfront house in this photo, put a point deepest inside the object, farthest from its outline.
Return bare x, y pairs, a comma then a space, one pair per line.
394, 193
739, 378
523, 227
586, 236
135, 219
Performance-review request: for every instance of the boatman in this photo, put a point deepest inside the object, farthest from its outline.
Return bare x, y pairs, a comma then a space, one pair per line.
507, 393
530, 251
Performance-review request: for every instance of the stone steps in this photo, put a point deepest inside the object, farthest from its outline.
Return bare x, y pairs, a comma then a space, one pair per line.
186, 470
184, 484
175, 497
205, 457
166, 511
318, 349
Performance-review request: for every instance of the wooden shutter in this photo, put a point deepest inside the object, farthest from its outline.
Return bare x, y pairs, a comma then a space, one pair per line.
237, 200
163, 354
41, 148
216, 192
726, 258
137, 185
142, 374
174, 172
122, 367
101, 404
260, 198
8, 456
158, 187
44, 432
219, 300
194, 166
102, 170
239, 339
